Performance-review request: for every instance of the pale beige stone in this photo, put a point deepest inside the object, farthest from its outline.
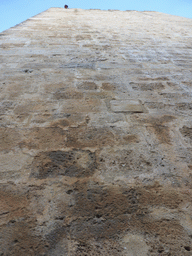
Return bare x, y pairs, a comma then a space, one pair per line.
14, 161
126, 106
134, 245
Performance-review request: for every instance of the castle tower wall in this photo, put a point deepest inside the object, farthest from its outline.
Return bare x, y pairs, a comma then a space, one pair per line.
96, 134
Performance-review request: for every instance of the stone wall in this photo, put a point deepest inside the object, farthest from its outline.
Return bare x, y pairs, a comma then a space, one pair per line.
96, 134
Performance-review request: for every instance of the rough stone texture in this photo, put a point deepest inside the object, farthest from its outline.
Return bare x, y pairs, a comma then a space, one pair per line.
96, 134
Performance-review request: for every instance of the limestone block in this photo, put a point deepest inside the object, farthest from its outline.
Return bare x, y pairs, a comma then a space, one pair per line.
126, 106
13, 162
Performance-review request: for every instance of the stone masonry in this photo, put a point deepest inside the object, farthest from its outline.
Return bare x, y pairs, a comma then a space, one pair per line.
96, 134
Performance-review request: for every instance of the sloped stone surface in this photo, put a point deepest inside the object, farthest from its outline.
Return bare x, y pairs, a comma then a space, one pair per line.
95, 134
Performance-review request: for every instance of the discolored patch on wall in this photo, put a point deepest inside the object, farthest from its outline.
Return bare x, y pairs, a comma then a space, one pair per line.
87, 86
130, 138
98, 220
82, 37
60, 123
108, 86
75, 163
171, 95
12, 205
17, 223
67, 94
157, 195
103, 209
159, 127
6, 107
83, 136
172, 84
184, 106
44, 137
19, 240
186, 132
9, 138
106, 213
162, 133
155, 105
12, 45
147, 87
23, 111
162, 78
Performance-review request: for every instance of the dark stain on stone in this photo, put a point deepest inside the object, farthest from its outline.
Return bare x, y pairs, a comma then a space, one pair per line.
162, 133
22, 240
157, 196
147, 87
184, 106
99, 213
62, 94
56, 235
87, 86
27, 70
186, 132
85, 65
163, 78
75, 163
155, 105
104, 213
17, 225
159, 127
171, 84
171, 95
131, 138
61, 123
6, 106
187, 248
98, 218
108, 87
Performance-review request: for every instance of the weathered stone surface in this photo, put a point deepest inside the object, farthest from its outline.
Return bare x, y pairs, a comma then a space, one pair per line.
96, 134
134, 245
126, 106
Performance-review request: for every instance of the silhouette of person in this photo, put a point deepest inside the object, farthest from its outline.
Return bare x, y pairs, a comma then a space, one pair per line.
66, 6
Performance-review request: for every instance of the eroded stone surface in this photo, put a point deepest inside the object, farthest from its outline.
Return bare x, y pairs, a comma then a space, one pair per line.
96, 135
121, 106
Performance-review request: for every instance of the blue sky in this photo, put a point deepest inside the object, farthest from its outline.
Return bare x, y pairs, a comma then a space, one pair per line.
13, 12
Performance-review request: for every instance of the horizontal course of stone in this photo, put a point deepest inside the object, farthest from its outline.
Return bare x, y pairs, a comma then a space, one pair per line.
96, 134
